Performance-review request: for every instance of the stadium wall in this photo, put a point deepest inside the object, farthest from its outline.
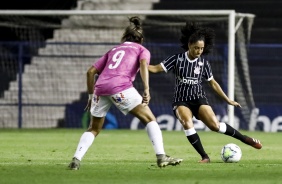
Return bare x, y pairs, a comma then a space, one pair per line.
265, 83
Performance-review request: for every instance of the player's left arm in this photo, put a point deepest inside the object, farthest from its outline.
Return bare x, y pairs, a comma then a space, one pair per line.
216, 87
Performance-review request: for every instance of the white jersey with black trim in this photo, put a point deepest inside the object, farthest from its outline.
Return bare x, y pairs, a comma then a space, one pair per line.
188, 76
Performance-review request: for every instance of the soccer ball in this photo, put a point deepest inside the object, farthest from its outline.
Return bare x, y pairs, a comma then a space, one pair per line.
231, 153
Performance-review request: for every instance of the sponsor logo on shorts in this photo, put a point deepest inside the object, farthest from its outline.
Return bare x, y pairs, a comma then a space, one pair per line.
121, 100
96, 98
118, 98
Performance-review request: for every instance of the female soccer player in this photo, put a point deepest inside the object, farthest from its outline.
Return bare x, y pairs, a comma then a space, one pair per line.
116, 72
189, 100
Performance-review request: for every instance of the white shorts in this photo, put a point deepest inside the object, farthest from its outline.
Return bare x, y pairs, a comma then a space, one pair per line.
125, 101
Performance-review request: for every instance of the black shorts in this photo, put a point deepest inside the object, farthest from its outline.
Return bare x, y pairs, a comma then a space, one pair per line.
192, 105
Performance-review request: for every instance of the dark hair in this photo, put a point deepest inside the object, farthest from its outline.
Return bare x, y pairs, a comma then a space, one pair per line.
133, 32
192, 32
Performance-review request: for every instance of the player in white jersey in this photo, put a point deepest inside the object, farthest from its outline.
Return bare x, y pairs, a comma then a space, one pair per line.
116, 72
190, 69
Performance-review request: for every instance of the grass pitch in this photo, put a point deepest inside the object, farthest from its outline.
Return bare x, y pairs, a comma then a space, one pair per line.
122, 156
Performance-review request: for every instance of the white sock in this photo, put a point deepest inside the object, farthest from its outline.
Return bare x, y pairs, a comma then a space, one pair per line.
190, 131
155, 135
85, 142
222, 128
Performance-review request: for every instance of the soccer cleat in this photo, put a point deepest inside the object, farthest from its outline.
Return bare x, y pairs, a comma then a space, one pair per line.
253, 142
167, 160
75, 164
205, 160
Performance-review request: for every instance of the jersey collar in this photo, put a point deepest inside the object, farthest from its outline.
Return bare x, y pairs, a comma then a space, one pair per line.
191, 61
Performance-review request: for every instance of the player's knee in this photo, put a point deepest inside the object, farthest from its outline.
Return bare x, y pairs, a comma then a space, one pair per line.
213, 127
186, 124
147, 119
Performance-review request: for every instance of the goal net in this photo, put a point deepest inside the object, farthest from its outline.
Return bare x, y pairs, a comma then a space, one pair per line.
45, 55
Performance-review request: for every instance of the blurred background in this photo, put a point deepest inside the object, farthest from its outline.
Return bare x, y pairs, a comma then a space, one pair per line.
44, 59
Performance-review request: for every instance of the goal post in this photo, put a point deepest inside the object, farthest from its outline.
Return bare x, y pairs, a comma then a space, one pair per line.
68, 17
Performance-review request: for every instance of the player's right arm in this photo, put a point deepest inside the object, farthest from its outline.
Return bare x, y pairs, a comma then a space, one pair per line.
90, 76
145, 79
155, 68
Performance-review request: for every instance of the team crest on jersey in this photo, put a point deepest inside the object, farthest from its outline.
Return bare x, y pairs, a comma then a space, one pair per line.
201, 63
197, 70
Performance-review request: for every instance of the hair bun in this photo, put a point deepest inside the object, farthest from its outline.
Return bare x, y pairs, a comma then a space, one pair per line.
136, 21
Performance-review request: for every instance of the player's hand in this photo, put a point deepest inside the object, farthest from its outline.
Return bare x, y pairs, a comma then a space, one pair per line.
87, 108
235, 104
146, 97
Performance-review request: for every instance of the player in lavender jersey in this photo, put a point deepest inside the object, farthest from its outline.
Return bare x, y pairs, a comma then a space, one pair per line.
116, 72
119, 67
190, 69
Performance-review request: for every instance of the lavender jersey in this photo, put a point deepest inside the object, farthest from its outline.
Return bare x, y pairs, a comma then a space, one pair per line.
118, 68
188, 76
